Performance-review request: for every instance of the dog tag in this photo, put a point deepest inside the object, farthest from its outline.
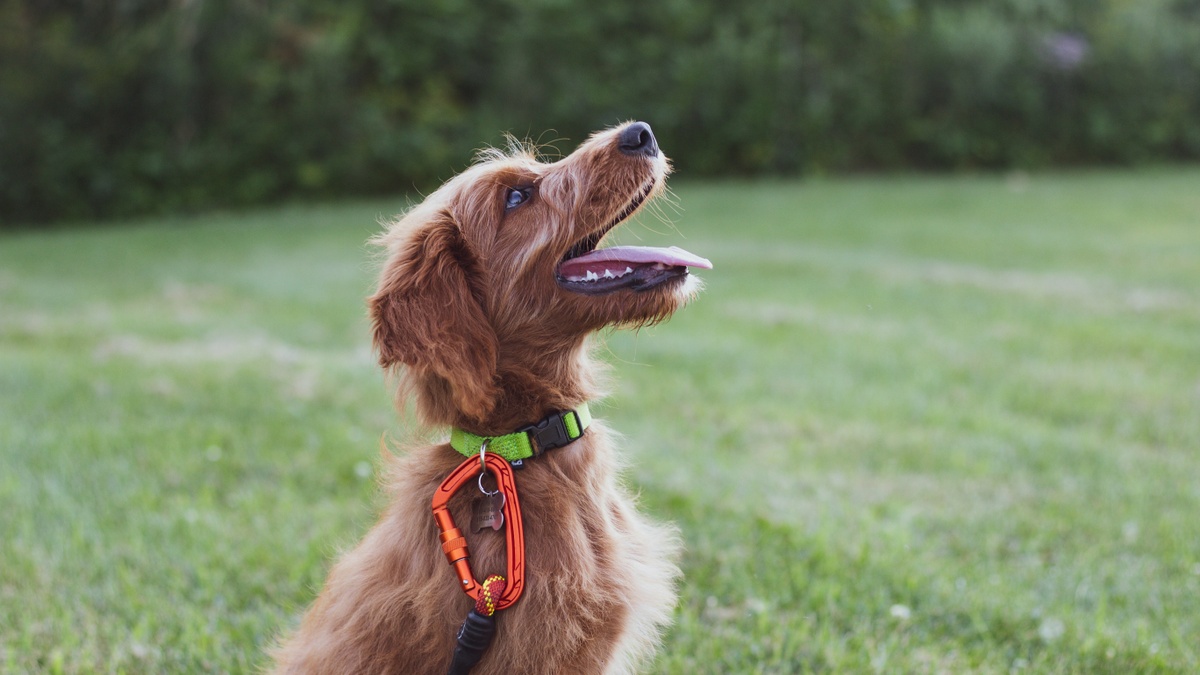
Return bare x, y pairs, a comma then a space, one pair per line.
489, 513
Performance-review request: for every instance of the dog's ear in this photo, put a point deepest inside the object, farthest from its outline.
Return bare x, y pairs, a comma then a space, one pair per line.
427, 314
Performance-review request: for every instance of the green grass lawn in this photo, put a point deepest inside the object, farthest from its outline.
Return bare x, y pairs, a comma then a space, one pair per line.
914, 425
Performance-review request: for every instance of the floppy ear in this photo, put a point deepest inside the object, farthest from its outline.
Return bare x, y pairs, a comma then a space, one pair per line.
426, 315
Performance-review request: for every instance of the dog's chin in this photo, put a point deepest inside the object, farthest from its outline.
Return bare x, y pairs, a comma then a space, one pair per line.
627, 308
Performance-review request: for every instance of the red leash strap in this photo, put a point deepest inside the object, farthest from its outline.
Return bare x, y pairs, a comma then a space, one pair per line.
454, 543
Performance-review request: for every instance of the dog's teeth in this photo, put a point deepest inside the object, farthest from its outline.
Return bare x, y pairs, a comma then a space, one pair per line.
592, 275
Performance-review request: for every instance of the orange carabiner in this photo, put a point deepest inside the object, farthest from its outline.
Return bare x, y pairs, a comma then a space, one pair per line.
454, 543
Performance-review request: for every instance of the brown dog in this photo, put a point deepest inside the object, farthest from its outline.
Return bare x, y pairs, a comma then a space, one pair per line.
491, 288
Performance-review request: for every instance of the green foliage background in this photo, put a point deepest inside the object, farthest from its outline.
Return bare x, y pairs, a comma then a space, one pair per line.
138, 106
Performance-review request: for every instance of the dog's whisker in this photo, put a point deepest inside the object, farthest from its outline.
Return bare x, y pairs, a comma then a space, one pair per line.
552, 145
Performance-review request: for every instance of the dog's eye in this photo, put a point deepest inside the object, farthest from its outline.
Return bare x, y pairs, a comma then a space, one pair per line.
514, 197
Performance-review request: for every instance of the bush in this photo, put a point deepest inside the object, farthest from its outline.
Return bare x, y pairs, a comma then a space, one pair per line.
145, 106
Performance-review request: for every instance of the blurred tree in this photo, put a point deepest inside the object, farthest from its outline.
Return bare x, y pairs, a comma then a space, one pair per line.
139, 106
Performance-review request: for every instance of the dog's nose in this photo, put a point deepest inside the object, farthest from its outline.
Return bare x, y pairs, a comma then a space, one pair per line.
637, 139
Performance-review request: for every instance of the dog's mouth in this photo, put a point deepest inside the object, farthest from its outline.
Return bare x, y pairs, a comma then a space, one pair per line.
591, 271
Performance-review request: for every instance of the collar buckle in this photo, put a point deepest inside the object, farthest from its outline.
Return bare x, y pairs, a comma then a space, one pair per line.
551, 432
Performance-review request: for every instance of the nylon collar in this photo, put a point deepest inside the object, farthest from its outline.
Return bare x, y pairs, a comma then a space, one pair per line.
553, 431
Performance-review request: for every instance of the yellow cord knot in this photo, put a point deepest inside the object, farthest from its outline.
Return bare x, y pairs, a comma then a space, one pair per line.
489, 594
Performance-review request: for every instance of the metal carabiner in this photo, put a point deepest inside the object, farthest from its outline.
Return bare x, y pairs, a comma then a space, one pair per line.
454, 543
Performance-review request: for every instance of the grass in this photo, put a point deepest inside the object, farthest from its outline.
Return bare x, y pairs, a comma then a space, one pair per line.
914, 425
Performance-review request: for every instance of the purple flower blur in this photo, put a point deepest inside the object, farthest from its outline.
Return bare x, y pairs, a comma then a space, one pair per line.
1064, 51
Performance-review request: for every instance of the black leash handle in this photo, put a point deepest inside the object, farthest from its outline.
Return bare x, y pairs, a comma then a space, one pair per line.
473, 639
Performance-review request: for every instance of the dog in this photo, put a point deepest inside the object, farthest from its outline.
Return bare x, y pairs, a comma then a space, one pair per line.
489, 293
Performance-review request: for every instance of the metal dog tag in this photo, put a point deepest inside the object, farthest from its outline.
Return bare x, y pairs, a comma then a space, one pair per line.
489, 513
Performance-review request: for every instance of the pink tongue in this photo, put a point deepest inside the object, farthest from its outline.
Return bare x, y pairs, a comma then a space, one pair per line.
631, 255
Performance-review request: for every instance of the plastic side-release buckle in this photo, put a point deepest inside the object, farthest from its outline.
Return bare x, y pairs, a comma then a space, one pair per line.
550, 433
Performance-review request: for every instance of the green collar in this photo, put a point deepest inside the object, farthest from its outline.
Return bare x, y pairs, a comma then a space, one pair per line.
553, 431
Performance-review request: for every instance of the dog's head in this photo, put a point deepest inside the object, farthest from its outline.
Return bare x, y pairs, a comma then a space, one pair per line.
502, 263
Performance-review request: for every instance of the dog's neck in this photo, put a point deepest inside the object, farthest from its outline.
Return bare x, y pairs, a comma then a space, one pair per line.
558, 377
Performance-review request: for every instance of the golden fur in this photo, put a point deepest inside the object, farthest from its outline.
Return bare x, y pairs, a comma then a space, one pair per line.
469, 306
